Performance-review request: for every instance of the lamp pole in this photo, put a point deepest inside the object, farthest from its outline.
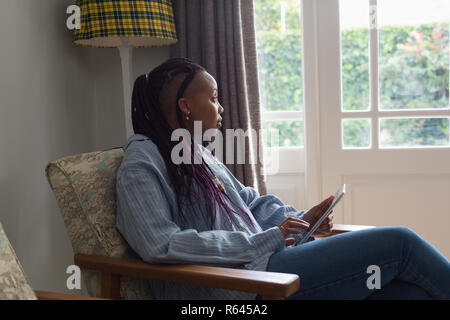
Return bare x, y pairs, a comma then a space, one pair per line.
126, 57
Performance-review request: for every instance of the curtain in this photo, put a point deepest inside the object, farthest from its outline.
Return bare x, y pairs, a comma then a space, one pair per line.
220, 36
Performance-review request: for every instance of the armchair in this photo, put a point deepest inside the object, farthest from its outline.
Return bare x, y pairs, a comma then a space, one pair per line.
84, 187
14, 284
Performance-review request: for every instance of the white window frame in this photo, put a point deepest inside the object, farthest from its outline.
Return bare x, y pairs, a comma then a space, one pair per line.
291, 159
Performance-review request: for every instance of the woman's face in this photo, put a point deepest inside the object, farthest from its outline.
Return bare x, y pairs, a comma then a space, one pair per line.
201, 100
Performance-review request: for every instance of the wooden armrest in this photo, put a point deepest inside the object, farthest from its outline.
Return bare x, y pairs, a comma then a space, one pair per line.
267, 284
46, 295
342, 228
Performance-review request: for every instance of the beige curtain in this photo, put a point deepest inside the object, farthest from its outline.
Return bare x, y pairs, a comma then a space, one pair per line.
220, 36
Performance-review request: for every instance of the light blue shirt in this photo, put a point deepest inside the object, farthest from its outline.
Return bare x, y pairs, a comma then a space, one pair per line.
147, 215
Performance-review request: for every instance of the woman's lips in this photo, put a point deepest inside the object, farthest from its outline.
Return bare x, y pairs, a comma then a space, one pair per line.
219, 124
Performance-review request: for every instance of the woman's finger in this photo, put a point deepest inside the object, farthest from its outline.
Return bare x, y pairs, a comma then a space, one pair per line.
295, 228
327, 220
325, 204
325, 229
292, 230
292, 225
295, 222
298, 223
327, 224
289, 242
328, 200
294, 219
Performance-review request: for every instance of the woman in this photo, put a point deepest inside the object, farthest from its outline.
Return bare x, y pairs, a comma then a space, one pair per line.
199, 213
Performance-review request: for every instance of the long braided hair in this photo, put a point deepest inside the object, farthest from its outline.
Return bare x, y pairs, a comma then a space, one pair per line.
148, 119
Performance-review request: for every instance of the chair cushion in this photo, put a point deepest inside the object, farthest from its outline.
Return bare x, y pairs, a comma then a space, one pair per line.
13, 282
85, 189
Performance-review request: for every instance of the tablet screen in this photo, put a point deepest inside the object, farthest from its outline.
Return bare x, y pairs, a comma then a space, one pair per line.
337, 197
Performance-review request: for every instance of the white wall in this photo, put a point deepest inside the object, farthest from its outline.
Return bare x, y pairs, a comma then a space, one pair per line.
55, 100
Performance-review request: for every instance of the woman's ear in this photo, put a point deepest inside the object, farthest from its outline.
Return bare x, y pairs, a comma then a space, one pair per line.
184, 106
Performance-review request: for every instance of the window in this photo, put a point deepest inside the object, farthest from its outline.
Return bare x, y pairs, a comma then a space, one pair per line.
395, 73
279, 46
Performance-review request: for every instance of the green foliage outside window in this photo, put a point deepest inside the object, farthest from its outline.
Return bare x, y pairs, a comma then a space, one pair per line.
413, 69
357, 133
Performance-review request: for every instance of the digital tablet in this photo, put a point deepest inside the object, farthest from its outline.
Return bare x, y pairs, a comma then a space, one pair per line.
338, 196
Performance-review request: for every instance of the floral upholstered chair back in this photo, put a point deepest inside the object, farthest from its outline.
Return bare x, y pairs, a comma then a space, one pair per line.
13, 281
84, 186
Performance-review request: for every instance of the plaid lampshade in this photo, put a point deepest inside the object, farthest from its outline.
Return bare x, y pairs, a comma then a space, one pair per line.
136, 23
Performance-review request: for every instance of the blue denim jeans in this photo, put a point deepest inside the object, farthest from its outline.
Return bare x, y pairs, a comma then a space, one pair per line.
336, 267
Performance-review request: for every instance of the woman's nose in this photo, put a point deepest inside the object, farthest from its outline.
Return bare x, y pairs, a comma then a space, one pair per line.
221, 109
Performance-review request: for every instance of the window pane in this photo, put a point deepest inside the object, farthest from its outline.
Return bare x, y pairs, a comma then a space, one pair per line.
414, 132
413, 54
278, 40
354, 19
356, 133
290, 134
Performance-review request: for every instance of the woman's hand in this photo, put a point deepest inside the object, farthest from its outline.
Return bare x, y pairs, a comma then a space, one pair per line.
290, 225
314, 214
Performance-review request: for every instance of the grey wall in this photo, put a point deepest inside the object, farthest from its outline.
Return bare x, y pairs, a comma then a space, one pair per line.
55, 100
109, 123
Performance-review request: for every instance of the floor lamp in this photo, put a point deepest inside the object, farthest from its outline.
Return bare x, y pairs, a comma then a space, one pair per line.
125, 25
